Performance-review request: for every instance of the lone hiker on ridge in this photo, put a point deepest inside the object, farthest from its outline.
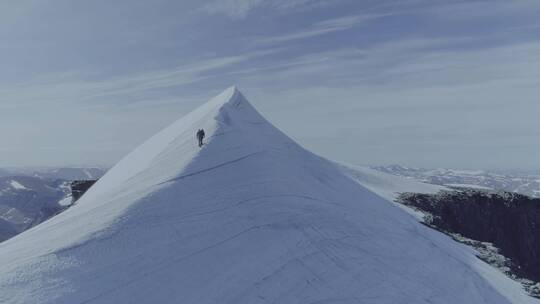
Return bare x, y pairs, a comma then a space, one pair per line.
200, 137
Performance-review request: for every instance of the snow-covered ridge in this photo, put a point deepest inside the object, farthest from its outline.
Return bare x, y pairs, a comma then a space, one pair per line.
251, 217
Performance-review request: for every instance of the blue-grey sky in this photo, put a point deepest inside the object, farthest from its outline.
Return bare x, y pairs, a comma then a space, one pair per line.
432, 83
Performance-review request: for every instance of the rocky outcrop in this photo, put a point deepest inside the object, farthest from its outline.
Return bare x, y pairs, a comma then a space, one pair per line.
79, 187
510, 221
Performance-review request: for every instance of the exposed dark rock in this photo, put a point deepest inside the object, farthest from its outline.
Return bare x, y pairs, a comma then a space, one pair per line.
79, 187
510, 221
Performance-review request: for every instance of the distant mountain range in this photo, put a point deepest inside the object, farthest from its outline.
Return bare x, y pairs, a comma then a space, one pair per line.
66, 173
31, 196
527, 184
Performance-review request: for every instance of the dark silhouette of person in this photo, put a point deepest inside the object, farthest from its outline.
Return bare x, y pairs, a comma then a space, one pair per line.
200, 137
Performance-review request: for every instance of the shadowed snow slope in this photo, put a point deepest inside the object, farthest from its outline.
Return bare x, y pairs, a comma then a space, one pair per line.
251, 217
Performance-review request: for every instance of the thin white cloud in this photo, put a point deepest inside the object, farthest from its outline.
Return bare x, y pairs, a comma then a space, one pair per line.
232, 8
241, 8
459, 102
70, 87
412, 64
322, 28
382, 80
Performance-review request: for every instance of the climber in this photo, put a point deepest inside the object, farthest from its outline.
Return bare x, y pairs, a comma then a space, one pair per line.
200, 137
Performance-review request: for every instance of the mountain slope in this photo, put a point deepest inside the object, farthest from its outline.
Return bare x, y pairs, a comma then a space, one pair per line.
251, 217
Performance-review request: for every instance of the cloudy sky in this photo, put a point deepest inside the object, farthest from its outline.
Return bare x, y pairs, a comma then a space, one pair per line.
431, 83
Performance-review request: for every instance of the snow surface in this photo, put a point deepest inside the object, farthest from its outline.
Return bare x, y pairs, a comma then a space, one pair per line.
66, 201
251, 217
17, 185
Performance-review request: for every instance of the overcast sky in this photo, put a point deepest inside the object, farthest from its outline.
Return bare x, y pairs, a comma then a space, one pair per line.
416, 82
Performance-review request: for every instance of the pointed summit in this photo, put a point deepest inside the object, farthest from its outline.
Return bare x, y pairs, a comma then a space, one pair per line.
228, 95
250, 217
231, 91
227, 116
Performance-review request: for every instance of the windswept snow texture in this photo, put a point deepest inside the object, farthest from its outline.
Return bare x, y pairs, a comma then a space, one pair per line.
250, 218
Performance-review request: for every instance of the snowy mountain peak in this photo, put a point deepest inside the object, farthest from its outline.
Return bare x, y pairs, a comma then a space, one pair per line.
249, 217
234, 131
228, 95
228, 116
